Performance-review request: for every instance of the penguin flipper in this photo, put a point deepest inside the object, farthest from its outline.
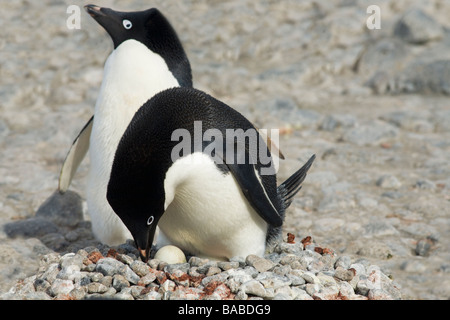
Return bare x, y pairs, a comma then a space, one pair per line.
76, 154
248, 179
289, 188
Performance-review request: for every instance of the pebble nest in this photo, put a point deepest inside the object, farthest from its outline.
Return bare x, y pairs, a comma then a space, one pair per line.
292, 271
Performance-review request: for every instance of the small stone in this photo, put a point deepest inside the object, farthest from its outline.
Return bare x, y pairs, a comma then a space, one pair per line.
152, 295
162, 265
96, 287
140, 268
358, 268
310, 277
120, 282
288, 259
124, 295
197, 262
71, 259
147, 279
327, 293
136, 291
282, 296
95, 256
312, 288
326, 280
106, 281
89, 267
77, 294
167, 286
60, 286
295, 280
171, 268
423, 246
109, 266
343, 262
129, 274
363, 286
126, 259
241, 295
69, 272
254, 287
212, 271
50, 258
160, 276
184, 293
388, 181
300, 294
417, 27
238, 259
226, 265
217, 291
96, 276
346, 290
271, 280
180, 277
51, 272
220, 277
153, 263
259, 263
41, 285
344, 274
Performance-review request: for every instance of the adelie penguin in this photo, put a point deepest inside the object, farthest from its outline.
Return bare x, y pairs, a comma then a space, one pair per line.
210, 200
148, 58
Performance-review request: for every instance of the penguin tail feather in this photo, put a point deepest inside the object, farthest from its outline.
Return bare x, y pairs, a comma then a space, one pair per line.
289, 188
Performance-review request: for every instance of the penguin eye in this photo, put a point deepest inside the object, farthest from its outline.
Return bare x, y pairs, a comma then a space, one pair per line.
127, 24
150, 220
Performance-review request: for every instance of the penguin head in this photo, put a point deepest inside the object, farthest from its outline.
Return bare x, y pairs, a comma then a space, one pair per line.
138, 211
136, 188
152, 29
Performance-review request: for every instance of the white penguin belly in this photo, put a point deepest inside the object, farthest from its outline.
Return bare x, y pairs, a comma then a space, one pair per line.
133, 74
207, 213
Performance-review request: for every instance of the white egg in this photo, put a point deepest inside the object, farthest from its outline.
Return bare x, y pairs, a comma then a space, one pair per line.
170, 254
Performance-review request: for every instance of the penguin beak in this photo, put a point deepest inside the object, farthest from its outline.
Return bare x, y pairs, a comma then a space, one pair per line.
106, 17
144, 241
110, 20
94, 11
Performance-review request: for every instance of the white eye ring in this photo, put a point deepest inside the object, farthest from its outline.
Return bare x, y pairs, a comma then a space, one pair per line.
150, 220
127, 24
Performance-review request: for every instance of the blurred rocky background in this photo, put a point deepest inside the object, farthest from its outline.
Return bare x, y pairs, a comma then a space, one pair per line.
372, 104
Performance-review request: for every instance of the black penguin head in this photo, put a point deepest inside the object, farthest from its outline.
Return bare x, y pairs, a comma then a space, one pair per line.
151, 28
136, 190
140, 217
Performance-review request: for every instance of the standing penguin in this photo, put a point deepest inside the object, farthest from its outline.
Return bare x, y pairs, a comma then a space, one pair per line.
208, 201
148, 58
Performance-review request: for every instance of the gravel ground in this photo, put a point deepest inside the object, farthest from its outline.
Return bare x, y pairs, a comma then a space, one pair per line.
371, 104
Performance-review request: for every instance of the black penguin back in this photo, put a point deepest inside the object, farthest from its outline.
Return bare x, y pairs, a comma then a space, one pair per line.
144, 153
